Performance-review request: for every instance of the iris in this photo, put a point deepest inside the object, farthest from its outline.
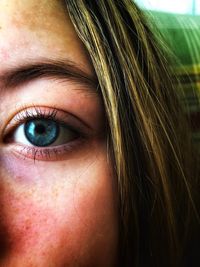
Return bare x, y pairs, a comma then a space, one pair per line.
41, 132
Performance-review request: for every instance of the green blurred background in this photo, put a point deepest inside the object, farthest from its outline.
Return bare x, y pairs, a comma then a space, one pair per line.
191, 7
176, 23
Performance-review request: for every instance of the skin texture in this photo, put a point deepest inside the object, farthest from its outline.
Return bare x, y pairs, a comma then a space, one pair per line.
58, 211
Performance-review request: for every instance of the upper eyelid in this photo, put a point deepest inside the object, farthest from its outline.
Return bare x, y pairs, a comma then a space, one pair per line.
61, 116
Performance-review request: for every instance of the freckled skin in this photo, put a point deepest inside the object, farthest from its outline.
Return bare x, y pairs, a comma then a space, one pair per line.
62, 212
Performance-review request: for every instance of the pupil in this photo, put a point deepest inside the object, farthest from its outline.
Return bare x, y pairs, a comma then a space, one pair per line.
41, 132
40, 129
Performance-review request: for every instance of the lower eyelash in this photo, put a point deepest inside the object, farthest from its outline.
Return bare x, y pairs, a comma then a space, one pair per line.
47, 154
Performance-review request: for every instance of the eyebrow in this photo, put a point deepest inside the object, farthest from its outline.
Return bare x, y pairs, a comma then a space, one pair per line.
54, 69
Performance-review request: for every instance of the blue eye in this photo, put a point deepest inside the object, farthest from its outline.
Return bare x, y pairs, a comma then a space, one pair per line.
41, 132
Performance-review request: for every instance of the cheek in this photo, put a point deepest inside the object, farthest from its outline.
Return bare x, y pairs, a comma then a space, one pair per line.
62, 215
26, 225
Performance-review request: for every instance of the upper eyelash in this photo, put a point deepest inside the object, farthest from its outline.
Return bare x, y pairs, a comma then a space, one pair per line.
36, 113
39, 113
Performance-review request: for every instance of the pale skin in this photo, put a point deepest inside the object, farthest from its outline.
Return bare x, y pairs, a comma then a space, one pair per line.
60, 210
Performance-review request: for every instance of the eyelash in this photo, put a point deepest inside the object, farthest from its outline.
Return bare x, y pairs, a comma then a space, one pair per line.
44, 153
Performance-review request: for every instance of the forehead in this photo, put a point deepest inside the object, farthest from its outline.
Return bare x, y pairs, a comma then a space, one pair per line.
32, 13
39, 28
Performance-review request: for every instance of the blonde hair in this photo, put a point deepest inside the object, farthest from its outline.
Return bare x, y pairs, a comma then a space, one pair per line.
150, 142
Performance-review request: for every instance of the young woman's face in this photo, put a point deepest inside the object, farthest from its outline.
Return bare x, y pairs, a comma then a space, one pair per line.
57, 193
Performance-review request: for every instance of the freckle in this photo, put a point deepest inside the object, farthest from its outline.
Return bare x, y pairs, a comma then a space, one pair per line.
55, 192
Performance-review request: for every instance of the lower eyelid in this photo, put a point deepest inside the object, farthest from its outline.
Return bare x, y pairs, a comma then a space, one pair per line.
62, 152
